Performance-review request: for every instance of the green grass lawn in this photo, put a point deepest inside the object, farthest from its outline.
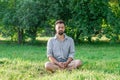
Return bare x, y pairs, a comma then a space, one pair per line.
26, 62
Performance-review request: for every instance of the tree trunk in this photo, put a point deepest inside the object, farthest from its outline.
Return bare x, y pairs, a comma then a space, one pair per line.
77, 36
89, 39
20, 36
32, 33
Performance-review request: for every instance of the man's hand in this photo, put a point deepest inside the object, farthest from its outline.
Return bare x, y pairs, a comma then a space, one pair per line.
61, 65
65, 64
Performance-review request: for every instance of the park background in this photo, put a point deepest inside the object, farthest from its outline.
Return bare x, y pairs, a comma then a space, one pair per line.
26, 25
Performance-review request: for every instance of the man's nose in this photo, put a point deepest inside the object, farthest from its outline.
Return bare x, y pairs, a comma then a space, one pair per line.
61, 28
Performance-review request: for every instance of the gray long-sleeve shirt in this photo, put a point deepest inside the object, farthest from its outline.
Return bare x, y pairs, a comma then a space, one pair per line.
61, 50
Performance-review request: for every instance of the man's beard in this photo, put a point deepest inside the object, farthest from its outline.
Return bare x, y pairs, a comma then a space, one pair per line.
61, 33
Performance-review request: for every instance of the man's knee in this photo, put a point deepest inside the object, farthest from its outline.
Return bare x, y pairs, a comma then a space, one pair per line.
47, 65
50, 66
78, 63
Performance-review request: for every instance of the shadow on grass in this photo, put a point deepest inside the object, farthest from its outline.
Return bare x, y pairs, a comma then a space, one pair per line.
37, 42
44, 42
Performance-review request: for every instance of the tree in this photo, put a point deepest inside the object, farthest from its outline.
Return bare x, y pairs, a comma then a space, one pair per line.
112, 29
88, 17
7, 19
83, 18
25, 17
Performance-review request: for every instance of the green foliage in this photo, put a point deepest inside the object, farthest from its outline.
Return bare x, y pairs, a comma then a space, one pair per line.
29, 18
115, 19
84, 18
60, 9
87, 17
8, 20
25, 15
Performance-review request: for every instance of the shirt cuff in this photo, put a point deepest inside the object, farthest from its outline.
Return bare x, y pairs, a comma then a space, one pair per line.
49, 55
71, 56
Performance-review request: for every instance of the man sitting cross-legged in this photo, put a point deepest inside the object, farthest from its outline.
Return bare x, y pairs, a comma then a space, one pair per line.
60, 50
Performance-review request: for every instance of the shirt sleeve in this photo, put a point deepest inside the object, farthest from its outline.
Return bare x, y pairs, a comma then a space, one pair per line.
72, 49
49, 48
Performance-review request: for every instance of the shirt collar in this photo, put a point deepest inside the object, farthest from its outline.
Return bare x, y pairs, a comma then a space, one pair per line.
66, 37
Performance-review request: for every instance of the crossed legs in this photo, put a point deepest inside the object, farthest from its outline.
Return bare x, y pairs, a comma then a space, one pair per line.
72, 65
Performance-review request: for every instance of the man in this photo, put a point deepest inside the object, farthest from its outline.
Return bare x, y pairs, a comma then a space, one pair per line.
60, 50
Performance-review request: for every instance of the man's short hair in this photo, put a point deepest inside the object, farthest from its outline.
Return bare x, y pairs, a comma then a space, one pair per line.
59, 22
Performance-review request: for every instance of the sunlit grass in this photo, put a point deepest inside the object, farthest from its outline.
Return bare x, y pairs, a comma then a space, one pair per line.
42, 38
26, 62
4, 38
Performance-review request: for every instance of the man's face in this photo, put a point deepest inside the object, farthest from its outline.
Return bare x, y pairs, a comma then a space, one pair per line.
60, 28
